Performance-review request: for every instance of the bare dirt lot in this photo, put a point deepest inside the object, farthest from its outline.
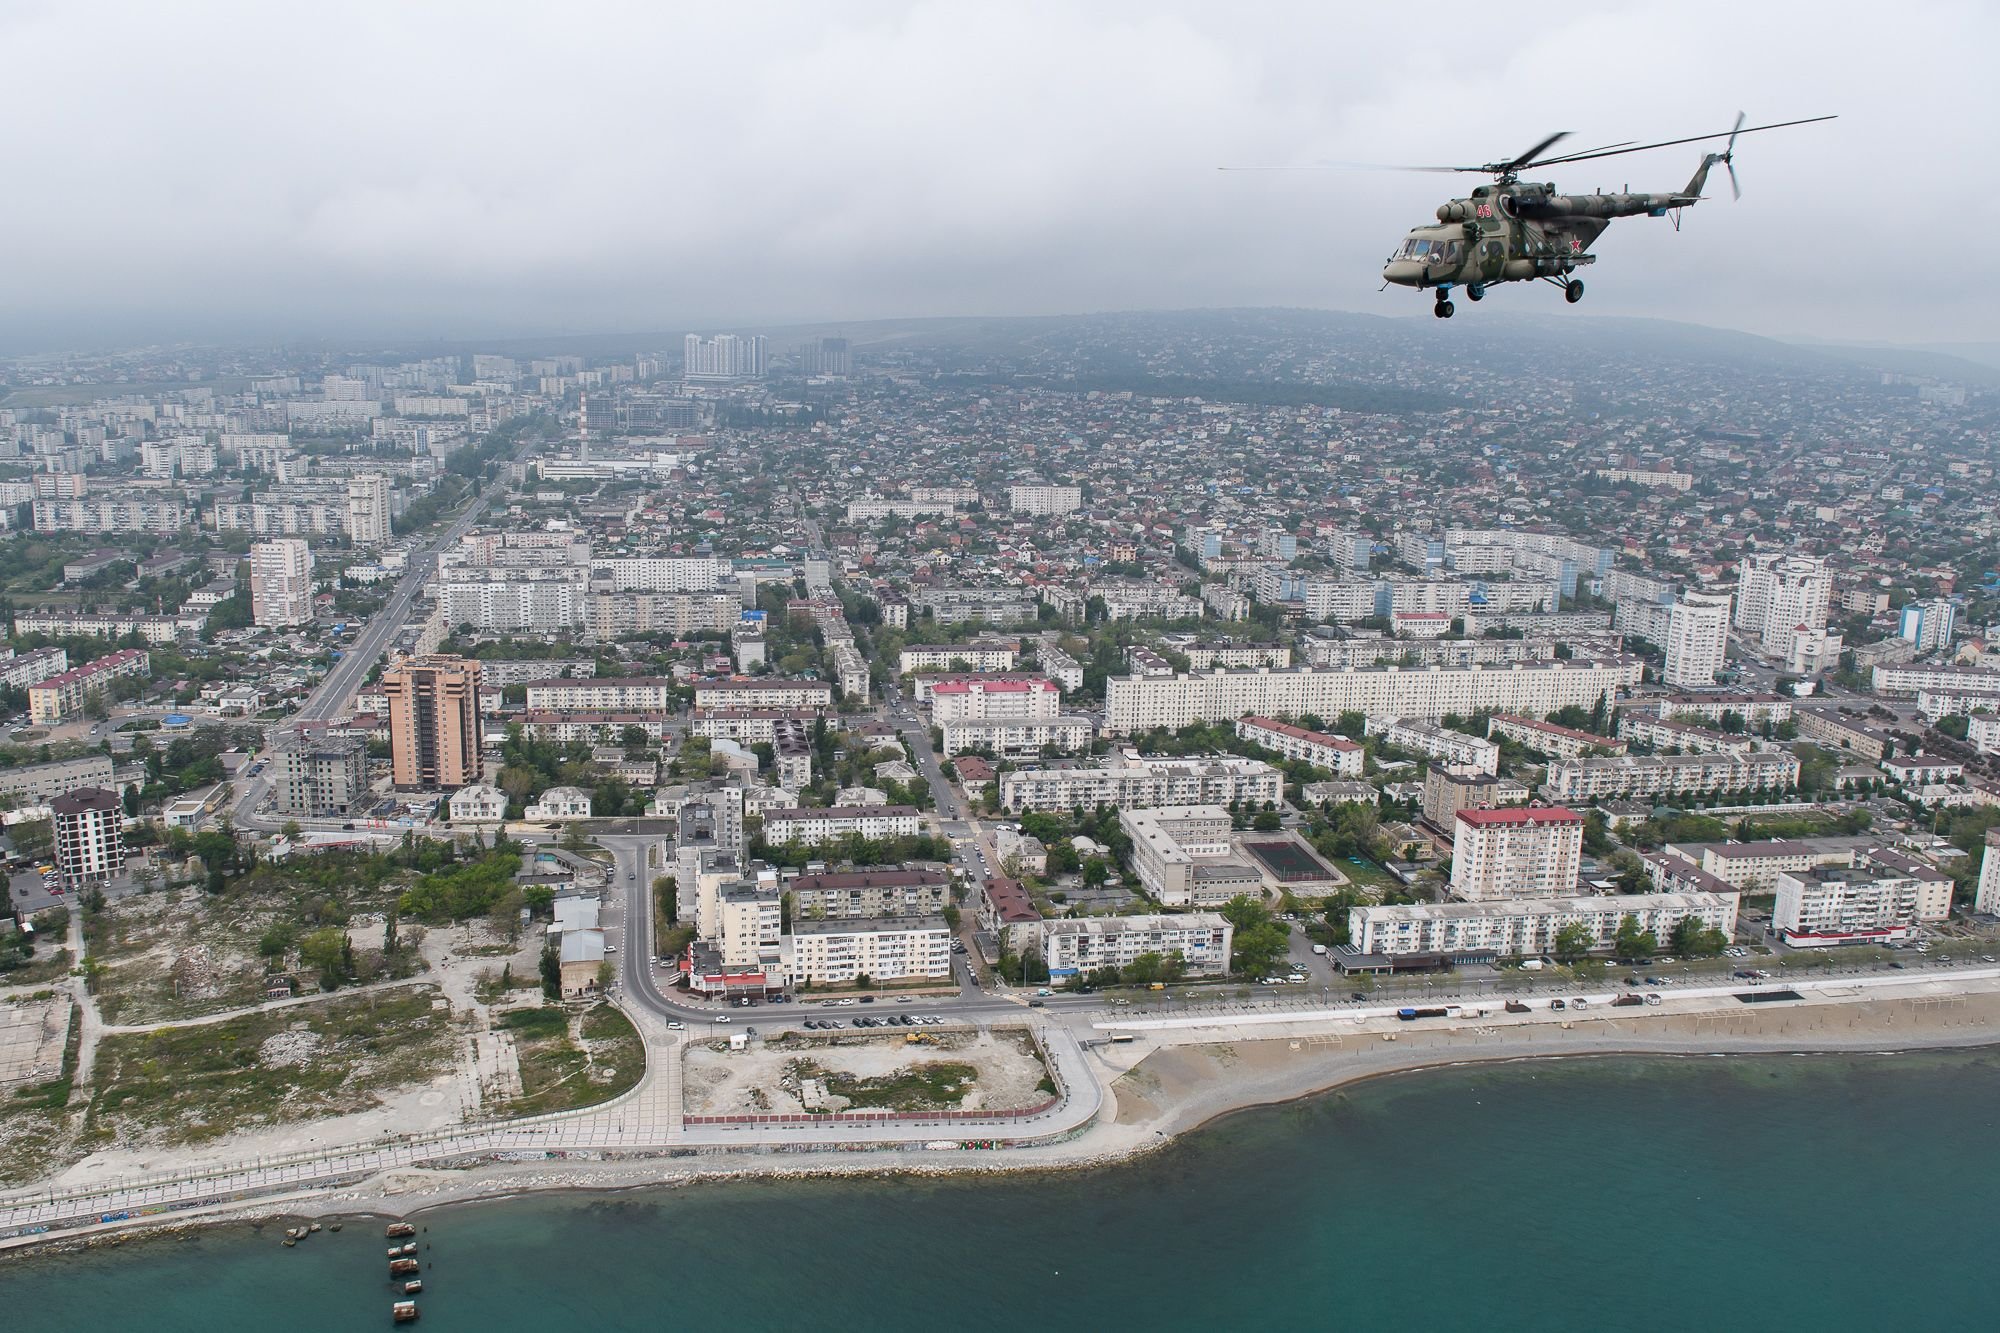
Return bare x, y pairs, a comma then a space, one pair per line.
31, 1040
950, 1070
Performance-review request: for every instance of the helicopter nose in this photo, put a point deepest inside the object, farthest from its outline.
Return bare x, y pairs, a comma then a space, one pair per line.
1404, 272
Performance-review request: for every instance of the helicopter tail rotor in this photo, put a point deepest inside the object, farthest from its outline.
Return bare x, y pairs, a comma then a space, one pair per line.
1729, 157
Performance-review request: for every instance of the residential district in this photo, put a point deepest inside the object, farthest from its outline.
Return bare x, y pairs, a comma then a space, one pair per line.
1025, 673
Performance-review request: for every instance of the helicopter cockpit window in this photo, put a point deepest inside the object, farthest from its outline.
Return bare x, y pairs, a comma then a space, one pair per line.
1429, 251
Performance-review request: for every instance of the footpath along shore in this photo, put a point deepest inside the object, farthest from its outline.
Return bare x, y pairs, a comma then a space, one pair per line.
1168, 1080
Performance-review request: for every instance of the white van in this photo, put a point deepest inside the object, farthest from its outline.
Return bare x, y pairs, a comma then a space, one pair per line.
1319, 949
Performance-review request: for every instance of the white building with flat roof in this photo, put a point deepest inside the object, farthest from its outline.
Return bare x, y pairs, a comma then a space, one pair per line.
1670, 775
281, 582
1987, 899
1201, 940
813, 826
1455, 748
1528, 927
1131, 782
1870, 902
1018, 738
1140, 703
1182, 855
835, 951
1043, 499
1697, 639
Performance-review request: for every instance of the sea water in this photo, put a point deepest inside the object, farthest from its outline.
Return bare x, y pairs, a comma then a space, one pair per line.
1811, 1192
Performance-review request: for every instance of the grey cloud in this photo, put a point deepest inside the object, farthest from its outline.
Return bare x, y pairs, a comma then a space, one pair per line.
259, 170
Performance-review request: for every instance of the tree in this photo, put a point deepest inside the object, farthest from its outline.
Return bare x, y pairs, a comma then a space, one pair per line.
1260, 938
551, 972
1692, 938
1573, 942
1633, 944
323, 951
1267, 821
862, 981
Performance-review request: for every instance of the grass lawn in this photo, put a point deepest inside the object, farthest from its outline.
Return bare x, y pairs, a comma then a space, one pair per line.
569, 1061
197, 1083
938, 1085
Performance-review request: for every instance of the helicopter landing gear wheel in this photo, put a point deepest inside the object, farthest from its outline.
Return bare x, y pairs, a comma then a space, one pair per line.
1475, 293
1443, 310
1572, 291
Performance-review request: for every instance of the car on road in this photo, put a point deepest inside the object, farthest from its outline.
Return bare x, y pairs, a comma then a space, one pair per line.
846, 1001
720, 1018
1036, 1004
676, 1026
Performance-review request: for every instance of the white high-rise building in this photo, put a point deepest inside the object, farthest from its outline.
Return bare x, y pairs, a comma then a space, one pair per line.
368, 510
1927, 624
281, 582
725, 357
1777, 595
1987, 899
1697, 639
1044, 499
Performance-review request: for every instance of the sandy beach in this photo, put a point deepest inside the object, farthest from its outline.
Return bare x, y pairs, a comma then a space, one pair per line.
1171, 1082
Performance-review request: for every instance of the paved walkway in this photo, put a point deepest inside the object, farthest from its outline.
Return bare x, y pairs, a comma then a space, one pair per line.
644, 1122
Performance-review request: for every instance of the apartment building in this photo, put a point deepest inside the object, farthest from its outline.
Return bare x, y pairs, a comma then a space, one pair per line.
1448, 790
813, 827
30, 784
1527, 927
836, 951
595, 727
1756, 710
88, 825
1132, 782
1336, 754
1549, 739
1987, 898
538, 601
850, 670
992, 606
770, 692
692, 573
115, 624
272, 515
750, 927
1671, 775
1041, 499
1525, 852
110, 513
972, 699
1666, 734
1183, 855
38, 664
319, 780
620, 693
434, 728
986, 655
1440, 743
1869, 902
1779, 594
369, 517
281, 583
1018, 738
63, 696
875, 892
1853, 734
1077, 947
747, 726
1138, 703
1907, 679
1697, 639
873, 509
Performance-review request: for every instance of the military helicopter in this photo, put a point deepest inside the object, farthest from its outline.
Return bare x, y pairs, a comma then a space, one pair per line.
1523, 231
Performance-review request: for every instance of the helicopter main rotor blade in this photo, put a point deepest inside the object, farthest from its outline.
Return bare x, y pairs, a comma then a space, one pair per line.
1535, 152
1671, 143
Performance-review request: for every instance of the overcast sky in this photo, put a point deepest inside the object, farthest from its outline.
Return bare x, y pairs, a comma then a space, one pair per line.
260, 170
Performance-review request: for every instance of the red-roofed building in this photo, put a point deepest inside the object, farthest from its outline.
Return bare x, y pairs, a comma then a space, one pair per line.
1336, 754
975, 700
1523, 852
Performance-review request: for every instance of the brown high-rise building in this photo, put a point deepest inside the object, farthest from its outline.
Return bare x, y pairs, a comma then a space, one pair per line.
433, 721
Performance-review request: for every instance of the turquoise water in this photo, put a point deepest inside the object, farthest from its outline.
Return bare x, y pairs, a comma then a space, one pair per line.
1797, 1193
